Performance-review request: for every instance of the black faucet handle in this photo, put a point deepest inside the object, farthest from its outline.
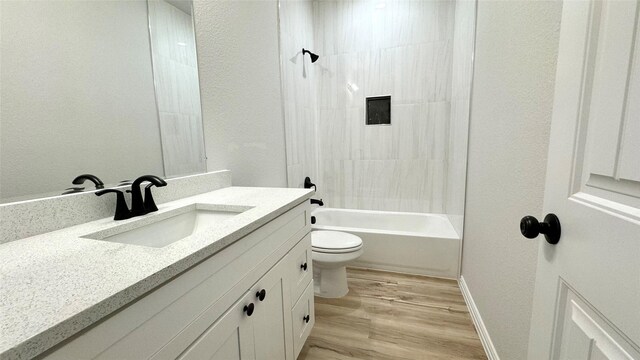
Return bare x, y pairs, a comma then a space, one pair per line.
149, 203
122, 210
108, 191
73, 190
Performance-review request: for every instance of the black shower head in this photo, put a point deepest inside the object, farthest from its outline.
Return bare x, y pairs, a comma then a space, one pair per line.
313, 56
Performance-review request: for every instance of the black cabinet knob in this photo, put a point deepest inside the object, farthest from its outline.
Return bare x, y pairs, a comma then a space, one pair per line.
303, 266
261, 294
249, 309
530, 227
313, 220
306, 319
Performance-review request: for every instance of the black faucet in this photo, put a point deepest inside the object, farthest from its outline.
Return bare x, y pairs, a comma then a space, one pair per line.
138, 206
80, 179
316, 201
122, 211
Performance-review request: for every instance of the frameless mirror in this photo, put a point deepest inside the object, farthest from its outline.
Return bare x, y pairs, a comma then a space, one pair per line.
108, 88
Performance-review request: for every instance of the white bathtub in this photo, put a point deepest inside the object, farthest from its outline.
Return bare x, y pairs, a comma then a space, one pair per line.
425, 244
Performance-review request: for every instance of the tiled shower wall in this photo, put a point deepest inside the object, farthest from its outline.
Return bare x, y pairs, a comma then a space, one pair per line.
299, 85
398, 48
368, 48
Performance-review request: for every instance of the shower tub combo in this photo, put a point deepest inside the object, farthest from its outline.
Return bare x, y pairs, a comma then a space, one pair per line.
425, 244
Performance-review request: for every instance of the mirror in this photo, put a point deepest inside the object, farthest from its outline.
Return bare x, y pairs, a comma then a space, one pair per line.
108, 88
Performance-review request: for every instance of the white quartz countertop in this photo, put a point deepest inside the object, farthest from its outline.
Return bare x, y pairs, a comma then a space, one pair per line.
54, 285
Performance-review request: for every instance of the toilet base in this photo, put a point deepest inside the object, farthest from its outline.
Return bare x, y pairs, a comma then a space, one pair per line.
330, 267
331, 282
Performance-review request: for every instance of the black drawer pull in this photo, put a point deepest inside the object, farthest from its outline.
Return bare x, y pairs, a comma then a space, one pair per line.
249, 309
303, 266
261, 294
306, 319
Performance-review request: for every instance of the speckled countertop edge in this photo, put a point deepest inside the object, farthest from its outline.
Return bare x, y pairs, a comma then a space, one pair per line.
54, 285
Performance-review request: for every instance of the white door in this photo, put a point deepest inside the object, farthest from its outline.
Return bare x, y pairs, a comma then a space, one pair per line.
587, 297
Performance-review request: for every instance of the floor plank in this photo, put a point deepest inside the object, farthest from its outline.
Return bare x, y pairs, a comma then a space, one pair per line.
393, 316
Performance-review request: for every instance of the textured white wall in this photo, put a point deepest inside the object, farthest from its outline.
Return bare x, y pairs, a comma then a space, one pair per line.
238, 58
516, 50
77, 94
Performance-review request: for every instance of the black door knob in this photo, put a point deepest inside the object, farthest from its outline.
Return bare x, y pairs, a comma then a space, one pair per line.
249, 309
306, 319
530, 227
303, 266
261, 294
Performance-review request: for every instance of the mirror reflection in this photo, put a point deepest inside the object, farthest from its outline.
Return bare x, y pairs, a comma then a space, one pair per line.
107, 88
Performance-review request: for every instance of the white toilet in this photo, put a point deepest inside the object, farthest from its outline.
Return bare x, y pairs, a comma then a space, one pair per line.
331, 252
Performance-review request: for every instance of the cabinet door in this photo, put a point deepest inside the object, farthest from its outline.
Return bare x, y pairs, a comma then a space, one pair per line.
229, 338
300, 267
272, 335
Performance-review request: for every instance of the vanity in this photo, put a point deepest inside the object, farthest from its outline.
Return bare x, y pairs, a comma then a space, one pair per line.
237, 287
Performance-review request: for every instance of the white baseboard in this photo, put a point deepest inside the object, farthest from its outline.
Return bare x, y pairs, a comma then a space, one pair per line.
477, 321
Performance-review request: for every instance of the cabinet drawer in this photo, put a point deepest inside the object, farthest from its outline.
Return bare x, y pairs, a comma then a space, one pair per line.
300, 267
301, 326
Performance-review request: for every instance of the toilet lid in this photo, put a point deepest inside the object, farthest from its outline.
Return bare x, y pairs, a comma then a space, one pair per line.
334, 240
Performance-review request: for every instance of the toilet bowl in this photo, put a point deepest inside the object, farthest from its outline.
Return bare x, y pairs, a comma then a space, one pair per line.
331, 251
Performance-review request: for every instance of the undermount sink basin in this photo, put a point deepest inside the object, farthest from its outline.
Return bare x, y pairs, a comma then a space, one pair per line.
169, 227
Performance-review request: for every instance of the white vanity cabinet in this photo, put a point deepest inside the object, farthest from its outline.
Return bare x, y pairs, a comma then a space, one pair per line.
214, 310
250, 329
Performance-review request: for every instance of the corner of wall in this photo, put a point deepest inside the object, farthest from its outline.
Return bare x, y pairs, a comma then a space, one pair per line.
512, 104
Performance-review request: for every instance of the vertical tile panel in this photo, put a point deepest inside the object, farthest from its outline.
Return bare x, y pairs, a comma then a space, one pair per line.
177, 89
300, 81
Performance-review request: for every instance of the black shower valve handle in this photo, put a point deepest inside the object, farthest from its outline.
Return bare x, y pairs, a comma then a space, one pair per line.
308, 184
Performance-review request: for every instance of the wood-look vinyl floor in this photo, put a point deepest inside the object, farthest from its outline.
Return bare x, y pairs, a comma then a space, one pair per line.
393, 316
